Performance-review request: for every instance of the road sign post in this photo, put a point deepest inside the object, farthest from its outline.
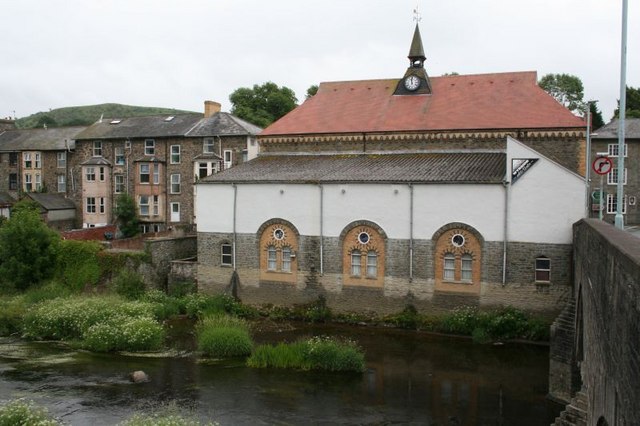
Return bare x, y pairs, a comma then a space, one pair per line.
602, 166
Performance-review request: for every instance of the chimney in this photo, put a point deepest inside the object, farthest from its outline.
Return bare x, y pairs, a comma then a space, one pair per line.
211, 108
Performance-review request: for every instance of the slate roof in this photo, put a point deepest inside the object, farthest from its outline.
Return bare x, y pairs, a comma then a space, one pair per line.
223, 124
52, 201
52, 139
434, 167
153, 126
6, 199
461, 102
610, 130
158, 126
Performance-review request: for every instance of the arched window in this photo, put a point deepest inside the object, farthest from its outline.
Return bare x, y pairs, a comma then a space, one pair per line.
272, 258
372, 264
449, 268
363, 249
467, 267
278, 247
356, 263
286, 259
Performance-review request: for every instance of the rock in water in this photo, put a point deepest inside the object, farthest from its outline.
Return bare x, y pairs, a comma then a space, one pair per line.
138, 376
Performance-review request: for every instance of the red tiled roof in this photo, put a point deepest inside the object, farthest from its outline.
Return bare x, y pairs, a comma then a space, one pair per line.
461, 102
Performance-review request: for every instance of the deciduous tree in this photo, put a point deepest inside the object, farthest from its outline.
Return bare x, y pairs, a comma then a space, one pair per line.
264, 104
632, 103
127, 216
28, 248
566, 89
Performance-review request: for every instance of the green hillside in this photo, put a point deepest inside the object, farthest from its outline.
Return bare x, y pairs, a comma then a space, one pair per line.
89, 114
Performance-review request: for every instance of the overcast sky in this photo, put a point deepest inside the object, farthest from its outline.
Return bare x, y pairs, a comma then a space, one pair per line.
176, 54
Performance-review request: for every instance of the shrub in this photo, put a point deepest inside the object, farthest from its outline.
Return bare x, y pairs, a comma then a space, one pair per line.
129, 284
316, 353
462, 320
11, 312
182, 288
224, 337
165, 306
507, 323
20, 412
408, 318
317, 311
70, 320
124, 333
198, 305
78, 263
48, 291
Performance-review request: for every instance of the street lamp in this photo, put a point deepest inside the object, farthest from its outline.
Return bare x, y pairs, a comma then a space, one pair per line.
619, 222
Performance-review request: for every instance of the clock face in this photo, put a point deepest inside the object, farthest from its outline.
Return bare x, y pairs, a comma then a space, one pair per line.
412, 82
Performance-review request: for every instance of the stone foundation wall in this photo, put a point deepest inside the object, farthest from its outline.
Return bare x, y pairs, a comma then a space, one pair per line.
399, 288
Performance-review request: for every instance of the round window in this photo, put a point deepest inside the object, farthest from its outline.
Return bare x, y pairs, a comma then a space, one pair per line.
363, 238
457, 240
278, 234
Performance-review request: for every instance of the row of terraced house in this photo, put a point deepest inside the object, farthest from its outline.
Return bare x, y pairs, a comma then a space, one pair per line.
77, 173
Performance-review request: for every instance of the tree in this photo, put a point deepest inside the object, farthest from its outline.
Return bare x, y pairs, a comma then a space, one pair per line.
632, 103
596, 115
28, 248
46, 121
263, 104
126, 215
566, 89
312, 90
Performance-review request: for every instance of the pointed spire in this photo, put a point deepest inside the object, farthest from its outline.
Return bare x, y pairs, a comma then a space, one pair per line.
416, 52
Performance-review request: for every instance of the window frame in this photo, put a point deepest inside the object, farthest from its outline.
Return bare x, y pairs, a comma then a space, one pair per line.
612, 176
143, 207
272, 261
155, 205
208, 146
176, 186
142, 173
224, 255
356, 263
149, 147
371, 264
37, 161
541, 270
119, 155
28, 183
97, 149
90, 174
612, 150
449, 267
61, 160
62, 180
156, 174
612, 204
177, 155
285, 259
466, 267
26, 158
227, 163
90, 205
13, 181
119, 185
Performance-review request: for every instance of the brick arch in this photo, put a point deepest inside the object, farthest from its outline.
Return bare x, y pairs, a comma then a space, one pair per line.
466, 277
266, 239
377, 243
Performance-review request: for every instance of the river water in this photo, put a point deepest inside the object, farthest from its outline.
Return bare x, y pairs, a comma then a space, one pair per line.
411, 378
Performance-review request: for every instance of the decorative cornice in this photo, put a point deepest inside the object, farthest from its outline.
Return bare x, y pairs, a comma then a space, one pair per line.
527, 134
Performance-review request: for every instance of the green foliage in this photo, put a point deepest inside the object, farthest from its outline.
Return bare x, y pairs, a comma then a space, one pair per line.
124, 333
45, 121
312, 90
632, 104
182, 288
566, 89
47, 291
129, 284
78, 265
127, 215
316, 353
165, 306
70, 318
596, 115
163, 419
28, 248
198, 305
316, 311
11, 312
86, 115
408, 318
224, 336
462, 320
24, 413
264, 104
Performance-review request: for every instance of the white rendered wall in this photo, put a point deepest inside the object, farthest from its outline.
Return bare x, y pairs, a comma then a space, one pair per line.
545, 202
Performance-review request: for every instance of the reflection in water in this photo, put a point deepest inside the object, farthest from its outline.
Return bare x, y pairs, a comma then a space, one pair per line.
411, 378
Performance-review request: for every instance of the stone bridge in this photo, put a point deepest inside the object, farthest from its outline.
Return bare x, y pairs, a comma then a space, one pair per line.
595, 342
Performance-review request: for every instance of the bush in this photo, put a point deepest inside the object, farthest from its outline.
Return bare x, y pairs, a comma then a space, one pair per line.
163, 420
20, 412
11, 313
462, 320
129, 284
198, 305
408, 318
507, 323
316, 353
78, 263
124, 334
182, 288
48, 291
224, 337
165, 306
53, 319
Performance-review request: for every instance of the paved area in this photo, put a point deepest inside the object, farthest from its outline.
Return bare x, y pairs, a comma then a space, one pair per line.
634, 230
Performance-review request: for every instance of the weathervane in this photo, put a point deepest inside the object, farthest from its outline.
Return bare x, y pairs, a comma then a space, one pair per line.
416, 14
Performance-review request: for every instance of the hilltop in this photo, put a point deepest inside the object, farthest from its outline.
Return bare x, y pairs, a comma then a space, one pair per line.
89, 114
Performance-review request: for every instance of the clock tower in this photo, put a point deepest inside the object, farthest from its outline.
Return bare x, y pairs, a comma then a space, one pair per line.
415, 80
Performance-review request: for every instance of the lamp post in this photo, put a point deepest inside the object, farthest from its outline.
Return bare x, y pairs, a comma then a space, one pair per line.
619, 221
587, 173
